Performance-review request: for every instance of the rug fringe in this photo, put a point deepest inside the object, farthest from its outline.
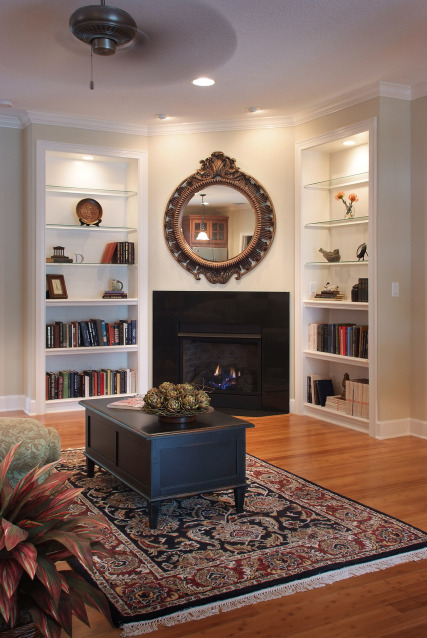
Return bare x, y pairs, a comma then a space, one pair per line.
196, 613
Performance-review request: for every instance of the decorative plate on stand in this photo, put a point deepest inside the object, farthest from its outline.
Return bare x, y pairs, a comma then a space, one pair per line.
89, 212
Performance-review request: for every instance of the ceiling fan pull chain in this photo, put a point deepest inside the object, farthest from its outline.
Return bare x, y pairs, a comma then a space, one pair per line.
91, 83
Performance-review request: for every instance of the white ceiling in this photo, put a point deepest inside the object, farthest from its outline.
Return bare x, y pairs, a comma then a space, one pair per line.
289, 58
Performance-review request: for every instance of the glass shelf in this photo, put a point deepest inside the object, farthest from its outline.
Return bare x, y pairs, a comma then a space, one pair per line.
336, 263
348, 180
330, 223
129, 229
79, 190
57, 264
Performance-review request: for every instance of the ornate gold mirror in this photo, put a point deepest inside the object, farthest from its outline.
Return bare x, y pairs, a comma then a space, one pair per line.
219, 221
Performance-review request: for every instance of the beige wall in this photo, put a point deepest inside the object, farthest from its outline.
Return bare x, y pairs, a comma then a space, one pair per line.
419, 260
267, 155
12, 263
393, 260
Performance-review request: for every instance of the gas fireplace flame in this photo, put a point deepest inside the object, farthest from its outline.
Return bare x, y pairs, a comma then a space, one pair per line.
226, 378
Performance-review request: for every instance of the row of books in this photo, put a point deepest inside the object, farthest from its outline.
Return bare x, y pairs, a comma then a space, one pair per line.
94, 332
119, 252
356, 401
67, 384
347, 339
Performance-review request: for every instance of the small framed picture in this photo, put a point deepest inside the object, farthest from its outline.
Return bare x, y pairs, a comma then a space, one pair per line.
56, 287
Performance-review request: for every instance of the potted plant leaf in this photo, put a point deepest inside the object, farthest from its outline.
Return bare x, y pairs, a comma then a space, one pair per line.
37, 530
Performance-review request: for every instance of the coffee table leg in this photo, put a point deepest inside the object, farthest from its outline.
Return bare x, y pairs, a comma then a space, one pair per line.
90, 467
153, 515
239, 498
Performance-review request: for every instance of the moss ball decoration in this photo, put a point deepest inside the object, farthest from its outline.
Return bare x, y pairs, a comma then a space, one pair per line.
181, 399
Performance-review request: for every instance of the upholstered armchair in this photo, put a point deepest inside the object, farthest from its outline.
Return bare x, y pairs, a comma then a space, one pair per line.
39, 444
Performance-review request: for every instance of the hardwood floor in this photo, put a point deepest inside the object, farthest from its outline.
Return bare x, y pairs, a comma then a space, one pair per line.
390, 476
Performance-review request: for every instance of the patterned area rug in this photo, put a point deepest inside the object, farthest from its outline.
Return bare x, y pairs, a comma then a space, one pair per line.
204, 558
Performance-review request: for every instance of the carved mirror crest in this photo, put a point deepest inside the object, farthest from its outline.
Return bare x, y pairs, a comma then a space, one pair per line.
219, 221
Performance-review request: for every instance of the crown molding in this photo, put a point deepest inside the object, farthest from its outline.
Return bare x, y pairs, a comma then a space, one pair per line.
221, 125
10, 121
399, 91
52, 119
419, 90
251, 122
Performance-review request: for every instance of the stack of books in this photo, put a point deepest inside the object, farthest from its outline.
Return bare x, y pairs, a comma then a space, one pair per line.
337, 404
115, 294
327, 295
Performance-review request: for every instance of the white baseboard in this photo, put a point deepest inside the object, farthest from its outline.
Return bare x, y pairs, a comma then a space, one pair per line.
9, 403
292, 405
392, 429
419, 428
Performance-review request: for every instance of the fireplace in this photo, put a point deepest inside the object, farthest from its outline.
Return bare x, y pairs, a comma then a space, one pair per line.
234, 344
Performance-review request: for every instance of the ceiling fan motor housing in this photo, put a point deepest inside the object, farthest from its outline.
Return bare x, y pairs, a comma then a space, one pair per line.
104, 28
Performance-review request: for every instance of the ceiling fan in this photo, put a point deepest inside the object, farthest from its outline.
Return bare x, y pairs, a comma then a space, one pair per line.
103, 27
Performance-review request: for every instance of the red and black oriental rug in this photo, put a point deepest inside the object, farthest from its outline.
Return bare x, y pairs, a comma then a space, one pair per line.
204, 558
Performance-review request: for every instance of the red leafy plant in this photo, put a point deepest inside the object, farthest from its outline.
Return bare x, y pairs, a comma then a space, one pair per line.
37, 529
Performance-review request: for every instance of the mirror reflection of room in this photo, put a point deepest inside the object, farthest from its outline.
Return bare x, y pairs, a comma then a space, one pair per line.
218, 223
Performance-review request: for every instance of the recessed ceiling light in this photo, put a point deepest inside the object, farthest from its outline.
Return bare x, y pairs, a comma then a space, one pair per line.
161, 116
349, 143
88, 158
203, 82
252, 109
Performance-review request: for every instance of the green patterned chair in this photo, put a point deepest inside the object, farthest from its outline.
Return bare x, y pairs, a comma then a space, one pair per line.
40, 444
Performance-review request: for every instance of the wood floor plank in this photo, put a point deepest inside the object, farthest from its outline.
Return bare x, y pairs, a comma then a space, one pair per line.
390, 476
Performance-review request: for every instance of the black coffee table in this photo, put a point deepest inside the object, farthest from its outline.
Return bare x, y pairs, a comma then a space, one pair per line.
167, 460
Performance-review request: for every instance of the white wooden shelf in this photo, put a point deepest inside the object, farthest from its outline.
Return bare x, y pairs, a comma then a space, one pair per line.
91, 350
334, 416
327, 356
343, 305
130, 301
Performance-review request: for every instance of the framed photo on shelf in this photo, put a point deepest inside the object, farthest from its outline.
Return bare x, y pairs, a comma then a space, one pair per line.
56, 287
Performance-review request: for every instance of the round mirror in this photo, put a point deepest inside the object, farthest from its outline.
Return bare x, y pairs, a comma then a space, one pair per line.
219, 222
228, 222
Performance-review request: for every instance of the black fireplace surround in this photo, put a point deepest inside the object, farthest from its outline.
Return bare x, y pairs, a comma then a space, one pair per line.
233, 323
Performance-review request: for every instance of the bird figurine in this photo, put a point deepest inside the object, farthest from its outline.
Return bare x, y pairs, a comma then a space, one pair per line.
331, 255
361, 252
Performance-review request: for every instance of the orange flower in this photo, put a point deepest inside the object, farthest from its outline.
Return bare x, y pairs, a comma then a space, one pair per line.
348, 206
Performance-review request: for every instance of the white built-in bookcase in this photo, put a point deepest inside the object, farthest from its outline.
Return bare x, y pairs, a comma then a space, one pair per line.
325, 166
116, 179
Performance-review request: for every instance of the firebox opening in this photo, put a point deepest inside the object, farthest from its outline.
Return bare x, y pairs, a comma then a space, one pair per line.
223, 364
